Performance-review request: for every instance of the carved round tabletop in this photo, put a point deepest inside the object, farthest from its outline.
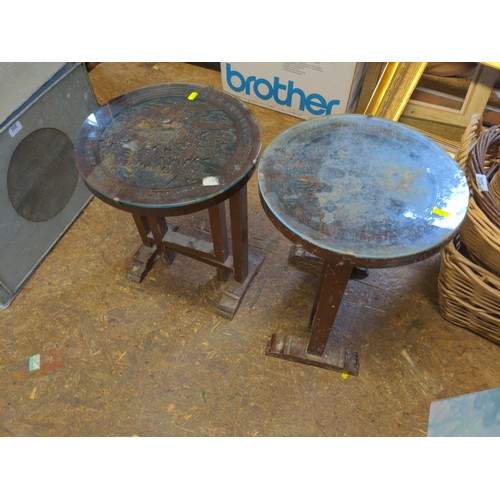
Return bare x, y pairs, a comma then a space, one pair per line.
175, 147
368, 190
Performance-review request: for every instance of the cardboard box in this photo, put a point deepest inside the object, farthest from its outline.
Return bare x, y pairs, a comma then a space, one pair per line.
305, 90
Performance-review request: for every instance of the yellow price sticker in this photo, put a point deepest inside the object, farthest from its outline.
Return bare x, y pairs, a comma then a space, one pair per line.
192, 96
440, 212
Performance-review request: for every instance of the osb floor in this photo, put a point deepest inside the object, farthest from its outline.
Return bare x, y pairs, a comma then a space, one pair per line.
153, 359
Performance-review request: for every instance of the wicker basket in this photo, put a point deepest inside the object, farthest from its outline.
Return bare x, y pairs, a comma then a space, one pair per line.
480, 232
469, 277
495, 182
481, 238
469, 295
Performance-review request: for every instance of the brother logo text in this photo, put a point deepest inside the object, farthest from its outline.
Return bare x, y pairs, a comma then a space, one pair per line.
283, 94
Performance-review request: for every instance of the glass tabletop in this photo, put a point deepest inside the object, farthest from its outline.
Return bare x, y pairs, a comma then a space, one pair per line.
364, 187
168, 145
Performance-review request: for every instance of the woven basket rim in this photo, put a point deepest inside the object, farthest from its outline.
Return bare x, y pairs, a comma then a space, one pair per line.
476, 143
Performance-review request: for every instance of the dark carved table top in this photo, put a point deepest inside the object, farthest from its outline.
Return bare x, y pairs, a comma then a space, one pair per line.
373, 191
167, 146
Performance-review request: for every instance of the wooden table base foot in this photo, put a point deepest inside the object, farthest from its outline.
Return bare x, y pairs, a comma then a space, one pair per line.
295, 349
234, 291
141, 263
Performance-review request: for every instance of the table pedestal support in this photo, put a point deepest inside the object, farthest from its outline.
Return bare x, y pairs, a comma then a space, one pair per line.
160, 238
333, 281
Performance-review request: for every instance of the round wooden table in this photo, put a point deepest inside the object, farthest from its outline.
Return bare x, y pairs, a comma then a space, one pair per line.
356, 190
174, 149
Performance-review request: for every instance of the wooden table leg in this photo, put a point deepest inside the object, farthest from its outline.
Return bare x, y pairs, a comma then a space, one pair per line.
148, 252
324, 268
245, 266
239, 233
143, 228
220, 239
313, 350
333, 282
145, 255
159, 228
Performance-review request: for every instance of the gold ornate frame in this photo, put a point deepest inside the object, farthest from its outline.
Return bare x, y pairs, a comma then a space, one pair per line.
391, 98
394, 89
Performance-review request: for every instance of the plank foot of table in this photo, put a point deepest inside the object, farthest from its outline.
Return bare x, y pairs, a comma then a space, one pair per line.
235, 291
141, 263
300, 257
293, 348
